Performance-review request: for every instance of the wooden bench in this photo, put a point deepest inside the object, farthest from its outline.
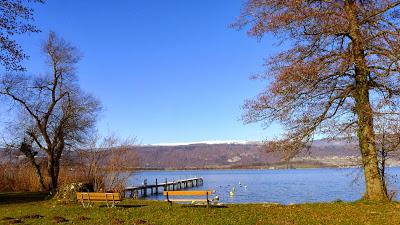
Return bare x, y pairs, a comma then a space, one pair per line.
204, 193
90, 197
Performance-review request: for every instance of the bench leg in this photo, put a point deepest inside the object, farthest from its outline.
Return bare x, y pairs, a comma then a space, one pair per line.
170, 202
87, 205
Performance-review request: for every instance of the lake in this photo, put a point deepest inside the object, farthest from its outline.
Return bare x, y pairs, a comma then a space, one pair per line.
281, 186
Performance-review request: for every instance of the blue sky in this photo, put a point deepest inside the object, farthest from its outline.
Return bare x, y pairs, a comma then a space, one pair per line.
165, 71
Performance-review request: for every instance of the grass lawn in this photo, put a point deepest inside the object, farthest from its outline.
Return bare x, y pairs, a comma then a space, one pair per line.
33, 208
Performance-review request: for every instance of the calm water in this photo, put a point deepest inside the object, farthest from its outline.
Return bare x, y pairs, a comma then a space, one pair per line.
282, 186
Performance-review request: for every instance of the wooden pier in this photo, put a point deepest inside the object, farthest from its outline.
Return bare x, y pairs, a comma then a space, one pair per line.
154, 189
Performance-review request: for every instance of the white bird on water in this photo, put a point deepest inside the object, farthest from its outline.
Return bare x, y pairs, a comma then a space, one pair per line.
232, 192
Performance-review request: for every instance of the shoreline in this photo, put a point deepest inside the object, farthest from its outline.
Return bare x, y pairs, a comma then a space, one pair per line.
245, 168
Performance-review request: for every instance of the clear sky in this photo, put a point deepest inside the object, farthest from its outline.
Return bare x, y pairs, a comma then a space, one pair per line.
165, 71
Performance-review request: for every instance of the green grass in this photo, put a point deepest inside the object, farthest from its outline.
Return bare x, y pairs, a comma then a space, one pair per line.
36, 210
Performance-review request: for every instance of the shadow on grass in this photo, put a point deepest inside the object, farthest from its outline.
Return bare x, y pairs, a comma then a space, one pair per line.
22, 197
204, 206
124, 206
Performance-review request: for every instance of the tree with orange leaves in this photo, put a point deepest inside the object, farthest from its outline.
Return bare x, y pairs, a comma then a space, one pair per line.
343, 61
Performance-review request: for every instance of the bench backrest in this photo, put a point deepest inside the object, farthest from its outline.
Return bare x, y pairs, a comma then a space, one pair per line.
98, 196
178, 193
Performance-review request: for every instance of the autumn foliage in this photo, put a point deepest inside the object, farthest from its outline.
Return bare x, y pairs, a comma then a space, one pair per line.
341, 61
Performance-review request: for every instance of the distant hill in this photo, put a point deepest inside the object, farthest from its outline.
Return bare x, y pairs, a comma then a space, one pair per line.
203, 156
225, 155
323, 153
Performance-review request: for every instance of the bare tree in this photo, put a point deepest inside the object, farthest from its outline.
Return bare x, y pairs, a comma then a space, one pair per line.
55, 114
387, 126
107, 163
342, 59
15, 19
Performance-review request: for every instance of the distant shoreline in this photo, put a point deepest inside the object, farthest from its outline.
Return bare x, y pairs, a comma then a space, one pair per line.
243, 168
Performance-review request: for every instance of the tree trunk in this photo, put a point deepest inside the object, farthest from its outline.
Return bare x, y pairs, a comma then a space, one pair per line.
366, 137
39, 176
383, 170
365, 132
53, 174
30, 155
53, 167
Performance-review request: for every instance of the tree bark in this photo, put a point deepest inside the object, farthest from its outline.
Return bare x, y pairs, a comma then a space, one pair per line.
366, 137
365, 132
26, 149
383, 170
53, 174
53, 167
39, 175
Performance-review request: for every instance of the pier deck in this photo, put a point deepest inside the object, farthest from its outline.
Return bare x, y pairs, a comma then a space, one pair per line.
175, 185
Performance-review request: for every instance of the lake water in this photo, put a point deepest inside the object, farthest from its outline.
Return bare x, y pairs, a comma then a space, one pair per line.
281, 186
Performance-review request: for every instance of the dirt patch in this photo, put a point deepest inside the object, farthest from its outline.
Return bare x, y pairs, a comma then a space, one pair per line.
59, 219
137, 222
7, 218
14, 221
117, 221
83, 218
32, 217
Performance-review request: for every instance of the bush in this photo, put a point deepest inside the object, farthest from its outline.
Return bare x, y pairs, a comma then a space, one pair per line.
17, 177
105, 167
67, 193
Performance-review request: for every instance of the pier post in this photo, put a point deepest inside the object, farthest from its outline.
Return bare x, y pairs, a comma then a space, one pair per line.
156, 187
145, 187
166, 185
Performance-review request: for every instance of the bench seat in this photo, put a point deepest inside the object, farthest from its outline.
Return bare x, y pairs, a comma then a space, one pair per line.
206, 194
89, 197
187, 200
